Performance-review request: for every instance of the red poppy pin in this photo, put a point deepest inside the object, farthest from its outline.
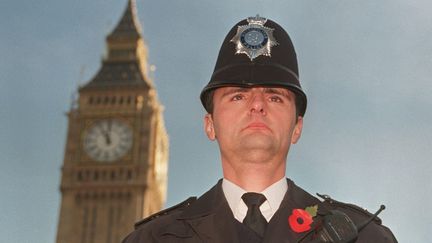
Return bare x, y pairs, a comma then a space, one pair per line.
300, 220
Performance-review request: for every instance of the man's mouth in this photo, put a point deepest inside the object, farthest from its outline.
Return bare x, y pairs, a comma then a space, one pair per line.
257, 126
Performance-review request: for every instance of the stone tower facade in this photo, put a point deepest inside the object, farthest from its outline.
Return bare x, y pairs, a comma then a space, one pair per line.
115, 164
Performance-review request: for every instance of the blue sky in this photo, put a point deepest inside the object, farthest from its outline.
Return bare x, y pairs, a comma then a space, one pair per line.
365, 66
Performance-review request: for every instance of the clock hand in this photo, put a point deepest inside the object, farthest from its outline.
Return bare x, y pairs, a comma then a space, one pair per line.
109, 132
107, 138
106, 133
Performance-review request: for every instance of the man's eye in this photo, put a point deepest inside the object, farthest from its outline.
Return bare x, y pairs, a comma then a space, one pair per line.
275, 99
237, 97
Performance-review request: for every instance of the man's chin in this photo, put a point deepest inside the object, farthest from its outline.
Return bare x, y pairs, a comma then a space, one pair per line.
257, 142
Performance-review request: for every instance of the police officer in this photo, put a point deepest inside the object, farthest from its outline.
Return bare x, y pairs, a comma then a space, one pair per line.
255, 108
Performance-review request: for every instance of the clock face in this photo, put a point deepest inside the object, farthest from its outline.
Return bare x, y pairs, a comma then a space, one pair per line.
108, 140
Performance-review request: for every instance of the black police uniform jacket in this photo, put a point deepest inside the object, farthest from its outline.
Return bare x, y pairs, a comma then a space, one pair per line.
210, 219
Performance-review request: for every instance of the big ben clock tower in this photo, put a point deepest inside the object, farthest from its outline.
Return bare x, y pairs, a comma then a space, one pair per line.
115, 164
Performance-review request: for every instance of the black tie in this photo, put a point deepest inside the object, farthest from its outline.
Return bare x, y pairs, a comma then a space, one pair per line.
254, 218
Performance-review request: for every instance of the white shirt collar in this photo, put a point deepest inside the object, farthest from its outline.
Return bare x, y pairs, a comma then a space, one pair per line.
274, 194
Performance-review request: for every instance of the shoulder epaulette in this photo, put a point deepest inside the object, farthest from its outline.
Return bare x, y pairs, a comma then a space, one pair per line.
166, 211
349, 206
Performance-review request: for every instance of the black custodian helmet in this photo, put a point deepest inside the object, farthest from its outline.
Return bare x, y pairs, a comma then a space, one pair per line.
256, 52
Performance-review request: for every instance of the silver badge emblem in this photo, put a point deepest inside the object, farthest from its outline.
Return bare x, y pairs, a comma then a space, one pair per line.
254, 39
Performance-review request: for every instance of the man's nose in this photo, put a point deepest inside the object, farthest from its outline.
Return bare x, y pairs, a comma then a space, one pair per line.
258, 104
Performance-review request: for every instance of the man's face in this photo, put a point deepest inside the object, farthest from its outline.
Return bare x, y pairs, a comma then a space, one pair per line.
259, 121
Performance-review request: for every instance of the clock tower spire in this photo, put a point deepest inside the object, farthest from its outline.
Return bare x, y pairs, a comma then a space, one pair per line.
115, 164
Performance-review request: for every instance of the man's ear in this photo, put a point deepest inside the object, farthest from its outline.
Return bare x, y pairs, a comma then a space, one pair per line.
208, 127
297, 130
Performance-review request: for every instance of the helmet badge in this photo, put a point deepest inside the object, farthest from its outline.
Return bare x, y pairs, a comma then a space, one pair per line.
254, 39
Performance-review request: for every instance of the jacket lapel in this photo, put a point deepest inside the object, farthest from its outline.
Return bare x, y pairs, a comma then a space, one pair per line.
211, 218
